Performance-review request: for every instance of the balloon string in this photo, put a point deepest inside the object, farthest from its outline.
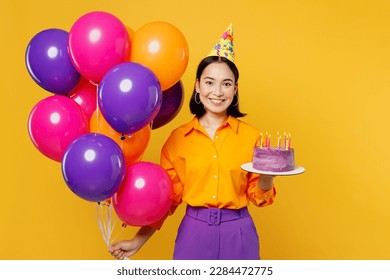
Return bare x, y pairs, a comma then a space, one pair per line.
118, 233
109, 227
107, 222
101, 222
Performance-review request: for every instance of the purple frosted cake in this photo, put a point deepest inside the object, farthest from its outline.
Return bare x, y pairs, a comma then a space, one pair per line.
273, 159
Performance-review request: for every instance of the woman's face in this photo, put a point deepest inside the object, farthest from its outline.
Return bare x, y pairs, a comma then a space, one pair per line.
216, 87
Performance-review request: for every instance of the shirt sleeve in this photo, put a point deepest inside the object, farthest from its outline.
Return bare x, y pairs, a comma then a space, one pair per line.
257, 196
167, 164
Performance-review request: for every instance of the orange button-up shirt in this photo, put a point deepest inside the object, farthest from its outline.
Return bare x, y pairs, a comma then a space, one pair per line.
207, 172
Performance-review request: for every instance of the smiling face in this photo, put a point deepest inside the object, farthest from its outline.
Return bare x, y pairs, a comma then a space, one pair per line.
216, 87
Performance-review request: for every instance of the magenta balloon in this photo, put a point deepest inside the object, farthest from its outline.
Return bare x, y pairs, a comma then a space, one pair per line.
48, 62
54, 123
85, 94
171, 105
93, 167
129, 97
145, 195
97, 42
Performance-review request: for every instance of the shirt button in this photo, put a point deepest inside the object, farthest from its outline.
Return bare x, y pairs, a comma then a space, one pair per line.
214, 156
214, 196
215, 176
216, 137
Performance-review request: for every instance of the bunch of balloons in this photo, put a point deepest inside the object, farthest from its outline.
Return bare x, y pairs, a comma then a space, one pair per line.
111, 86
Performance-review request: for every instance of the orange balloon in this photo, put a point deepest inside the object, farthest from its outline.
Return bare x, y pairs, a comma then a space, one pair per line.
162, 48
133, 145
130, 31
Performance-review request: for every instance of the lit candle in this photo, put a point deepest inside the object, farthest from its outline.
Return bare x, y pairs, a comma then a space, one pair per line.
288, 141
269, 142
278, 141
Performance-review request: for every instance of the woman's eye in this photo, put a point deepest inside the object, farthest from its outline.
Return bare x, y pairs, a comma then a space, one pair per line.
227, 84
209, 83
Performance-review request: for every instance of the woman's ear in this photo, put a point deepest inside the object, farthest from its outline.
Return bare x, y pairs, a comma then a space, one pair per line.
197, 86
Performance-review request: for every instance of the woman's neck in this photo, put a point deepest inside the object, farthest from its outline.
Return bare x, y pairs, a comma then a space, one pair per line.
211, 122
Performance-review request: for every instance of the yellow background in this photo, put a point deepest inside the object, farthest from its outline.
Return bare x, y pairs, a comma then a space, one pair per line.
317, 69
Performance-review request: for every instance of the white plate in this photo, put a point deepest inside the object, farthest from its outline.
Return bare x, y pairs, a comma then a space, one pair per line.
249, 167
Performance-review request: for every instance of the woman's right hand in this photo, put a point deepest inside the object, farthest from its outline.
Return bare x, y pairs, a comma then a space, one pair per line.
124, 249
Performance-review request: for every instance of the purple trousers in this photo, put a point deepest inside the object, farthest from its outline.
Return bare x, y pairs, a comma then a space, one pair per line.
217, 234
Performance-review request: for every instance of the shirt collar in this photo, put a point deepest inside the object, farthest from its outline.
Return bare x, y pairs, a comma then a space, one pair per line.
233, 122
195, 125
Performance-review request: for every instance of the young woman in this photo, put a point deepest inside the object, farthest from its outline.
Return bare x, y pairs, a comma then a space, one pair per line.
203, 158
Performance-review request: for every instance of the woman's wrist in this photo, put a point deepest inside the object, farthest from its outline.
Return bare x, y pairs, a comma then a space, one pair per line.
265, 182
143, 235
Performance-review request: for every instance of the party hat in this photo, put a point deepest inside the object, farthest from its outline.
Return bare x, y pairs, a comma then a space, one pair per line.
224, 46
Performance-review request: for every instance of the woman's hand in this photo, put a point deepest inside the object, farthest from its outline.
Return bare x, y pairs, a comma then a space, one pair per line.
126, 248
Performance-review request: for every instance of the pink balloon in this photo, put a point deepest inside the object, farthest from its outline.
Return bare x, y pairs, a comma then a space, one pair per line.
145, 196
54, 123
85, 94
97, 42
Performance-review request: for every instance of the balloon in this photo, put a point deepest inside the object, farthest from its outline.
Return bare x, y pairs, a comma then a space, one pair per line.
129, 97
48, 62
133, 145
97, 42
145, 195
54, 123
85, 94
161, 47
171, 105
93, 167
130, 31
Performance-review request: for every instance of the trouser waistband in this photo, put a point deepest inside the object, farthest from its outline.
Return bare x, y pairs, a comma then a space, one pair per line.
216, 216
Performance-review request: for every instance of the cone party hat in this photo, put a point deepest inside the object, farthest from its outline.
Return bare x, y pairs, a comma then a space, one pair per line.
224, 46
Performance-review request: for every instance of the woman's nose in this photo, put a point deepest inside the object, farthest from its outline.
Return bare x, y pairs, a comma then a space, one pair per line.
218, 91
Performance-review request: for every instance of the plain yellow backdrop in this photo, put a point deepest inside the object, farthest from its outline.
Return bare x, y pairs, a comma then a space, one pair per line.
317, 69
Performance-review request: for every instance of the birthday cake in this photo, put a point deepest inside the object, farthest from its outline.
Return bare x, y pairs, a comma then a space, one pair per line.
274, 159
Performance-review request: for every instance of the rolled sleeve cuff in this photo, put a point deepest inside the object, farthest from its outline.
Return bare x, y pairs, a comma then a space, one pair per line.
264, 198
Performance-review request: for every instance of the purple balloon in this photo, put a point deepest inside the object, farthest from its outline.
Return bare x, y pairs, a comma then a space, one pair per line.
171, 105
48, 61
93, 167
129, 97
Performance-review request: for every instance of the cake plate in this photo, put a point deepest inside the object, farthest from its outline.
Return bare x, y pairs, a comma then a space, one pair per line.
249, 167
